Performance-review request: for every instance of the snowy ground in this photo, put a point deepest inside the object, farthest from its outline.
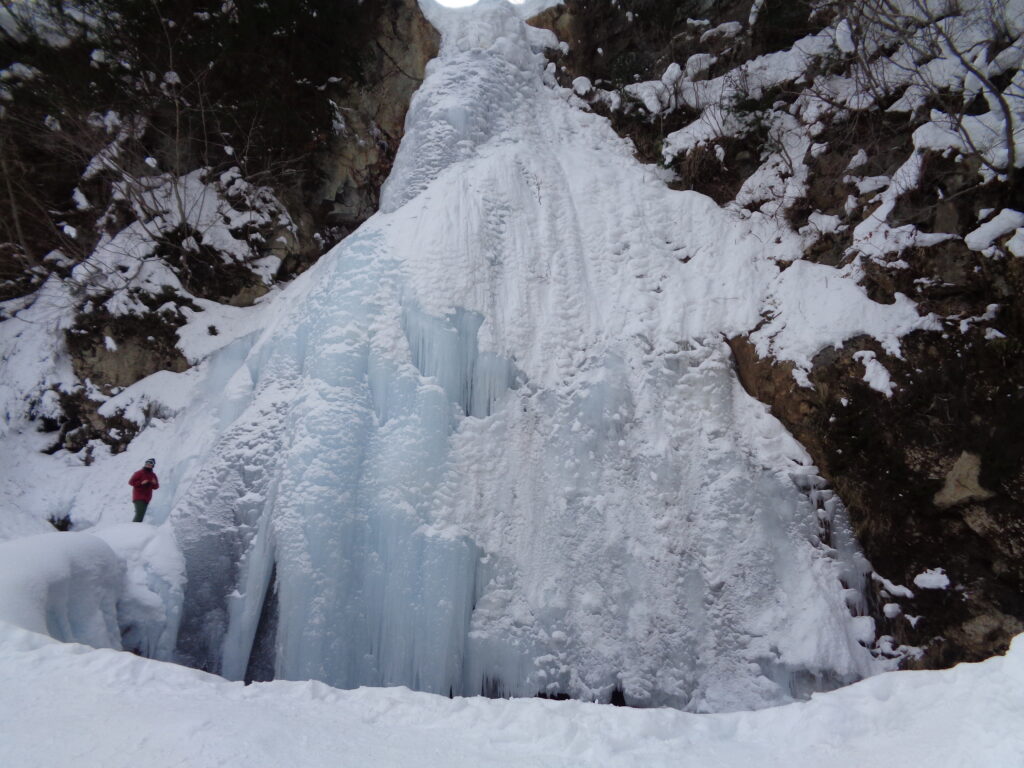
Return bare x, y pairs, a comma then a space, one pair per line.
70, 705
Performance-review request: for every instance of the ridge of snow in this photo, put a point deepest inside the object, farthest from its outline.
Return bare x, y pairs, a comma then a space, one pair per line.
169, 715
1006, 221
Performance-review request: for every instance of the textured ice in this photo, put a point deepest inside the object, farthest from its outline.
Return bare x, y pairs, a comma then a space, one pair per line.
493, 442
66, 586
115, 588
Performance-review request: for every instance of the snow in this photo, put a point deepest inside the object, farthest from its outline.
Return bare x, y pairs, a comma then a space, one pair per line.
894, 590
1003, 223
149, 607
728, 29
803, 320
581, 86
844, 37
34, 359
493, 442
897, 68
699, 64
18, 71
222, 214
1016, 243
932, 578
874, 237
50, 25
820, 224
749, 81
858, 160
119, 587
875, 374
967, 36
164, 715
990, 314
755, 10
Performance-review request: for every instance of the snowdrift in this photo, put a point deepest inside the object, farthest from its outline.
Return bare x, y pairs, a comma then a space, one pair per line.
113, 709
119, 587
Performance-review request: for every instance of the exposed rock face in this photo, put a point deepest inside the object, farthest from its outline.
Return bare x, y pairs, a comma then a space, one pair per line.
318, 127
360, 156
115, 352
932, 472
932, 477
962, 483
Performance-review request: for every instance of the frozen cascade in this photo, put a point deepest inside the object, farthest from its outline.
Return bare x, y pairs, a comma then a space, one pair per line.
493, 442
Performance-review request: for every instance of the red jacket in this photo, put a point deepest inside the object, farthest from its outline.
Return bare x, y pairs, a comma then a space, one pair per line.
144, 482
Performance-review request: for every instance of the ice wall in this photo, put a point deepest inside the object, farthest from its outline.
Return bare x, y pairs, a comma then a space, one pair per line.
493, 442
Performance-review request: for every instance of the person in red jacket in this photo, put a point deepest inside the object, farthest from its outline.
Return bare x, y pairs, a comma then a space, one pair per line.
143, 483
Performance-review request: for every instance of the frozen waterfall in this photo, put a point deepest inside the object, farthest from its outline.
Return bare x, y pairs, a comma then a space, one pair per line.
493, 442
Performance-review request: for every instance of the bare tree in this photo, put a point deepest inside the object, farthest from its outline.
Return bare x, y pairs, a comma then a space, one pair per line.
946, 54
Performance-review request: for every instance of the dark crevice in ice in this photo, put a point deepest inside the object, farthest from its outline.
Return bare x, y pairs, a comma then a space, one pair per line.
261, 659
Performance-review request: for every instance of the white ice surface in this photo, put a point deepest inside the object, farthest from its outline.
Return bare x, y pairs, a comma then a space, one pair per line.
498, 444
154, 575
72, 705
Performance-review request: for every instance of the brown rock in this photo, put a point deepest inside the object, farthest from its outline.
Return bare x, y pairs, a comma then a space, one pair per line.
962, 483
358, 159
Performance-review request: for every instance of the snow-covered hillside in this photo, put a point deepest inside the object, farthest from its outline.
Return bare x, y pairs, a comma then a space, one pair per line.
492, 443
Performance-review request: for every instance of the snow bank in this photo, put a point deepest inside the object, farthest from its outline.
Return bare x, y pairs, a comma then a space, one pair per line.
165, 715
118, 585
1003, 223
35, 360
932, 578
65, 585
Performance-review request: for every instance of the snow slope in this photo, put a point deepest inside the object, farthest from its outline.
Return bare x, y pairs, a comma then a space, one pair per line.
159, 714
493, 442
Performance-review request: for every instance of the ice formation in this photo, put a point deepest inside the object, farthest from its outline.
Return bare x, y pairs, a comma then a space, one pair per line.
493, 442
115, 588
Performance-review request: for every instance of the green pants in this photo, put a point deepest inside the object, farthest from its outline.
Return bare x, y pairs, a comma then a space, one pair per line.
140, 510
